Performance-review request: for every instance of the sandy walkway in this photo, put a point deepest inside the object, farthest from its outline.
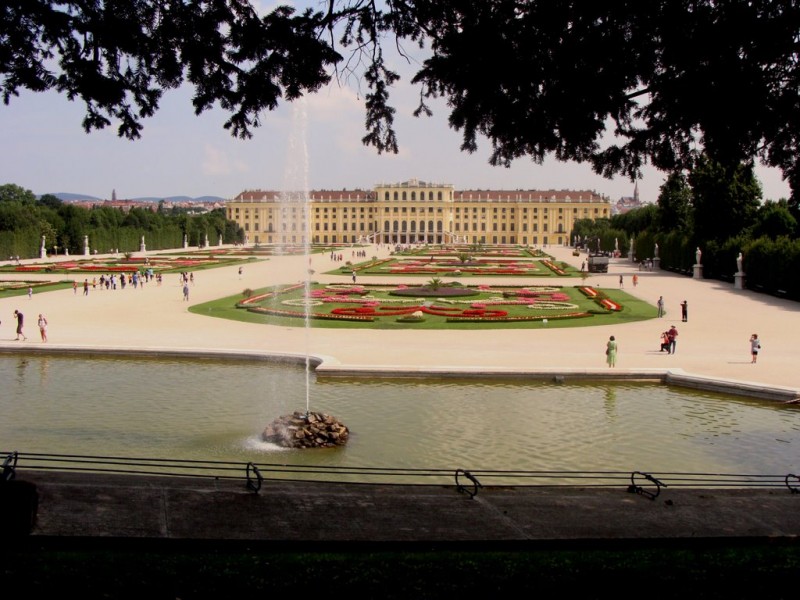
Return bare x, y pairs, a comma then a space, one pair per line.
713, 343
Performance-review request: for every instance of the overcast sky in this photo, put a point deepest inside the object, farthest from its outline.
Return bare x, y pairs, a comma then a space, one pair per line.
46, 150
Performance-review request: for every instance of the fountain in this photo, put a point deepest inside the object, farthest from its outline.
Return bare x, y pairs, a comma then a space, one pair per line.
301, 429
190, 412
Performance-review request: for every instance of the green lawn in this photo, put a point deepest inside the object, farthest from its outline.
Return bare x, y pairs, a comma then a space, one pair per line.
10, 289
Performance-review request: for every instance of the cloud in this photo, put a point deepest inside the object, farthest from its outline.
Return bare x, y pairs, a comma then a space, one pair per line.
216, 162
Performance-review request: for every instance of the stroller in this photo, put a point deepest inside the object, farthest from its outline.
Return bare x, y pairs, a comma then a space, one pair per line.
664, 342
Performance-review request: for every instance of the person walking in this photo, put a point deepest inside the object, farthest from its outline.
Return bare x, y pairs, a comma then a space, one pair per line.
672, 337
185, 291
30, 292
354, 275
20, 323
684, 311
755, 346
611, 352
42, 323
621, 282
660, 305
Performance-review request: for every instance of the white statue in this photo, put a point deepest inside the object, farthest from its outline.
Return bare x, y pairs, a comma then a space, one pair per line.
739, 263
655, 251
697, 255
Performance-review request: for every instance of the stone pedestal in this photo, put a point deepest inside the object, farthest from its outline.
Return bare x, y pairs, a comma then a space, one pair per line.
738, 280
656, 264
698, 272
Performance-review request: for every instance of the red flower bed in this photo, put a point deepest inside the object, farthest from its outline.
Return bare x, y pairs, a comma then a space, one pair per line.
107, 268
610, 304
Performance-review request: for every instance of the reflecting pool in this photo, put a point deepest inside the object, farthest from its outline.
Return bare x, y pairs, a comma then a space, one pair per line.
215, 410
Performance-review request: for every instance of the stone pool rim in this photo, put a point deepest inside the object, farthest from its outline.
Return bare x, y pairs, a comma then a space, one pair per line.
328, 367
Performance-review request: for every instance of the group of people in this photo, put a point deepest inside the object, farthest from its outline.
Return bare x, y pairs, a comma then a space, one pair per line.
19, 317
110, 282
669, 340
684, 309
634, 279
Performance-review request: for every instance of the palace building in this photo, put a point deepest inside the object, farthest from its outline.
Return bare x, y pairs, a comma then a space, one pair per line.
414, 212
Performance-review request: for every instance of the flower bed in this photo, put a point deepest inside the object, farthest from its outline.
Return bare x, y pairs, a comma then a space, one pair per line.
553, 267
601, 298
287, 313
372, 302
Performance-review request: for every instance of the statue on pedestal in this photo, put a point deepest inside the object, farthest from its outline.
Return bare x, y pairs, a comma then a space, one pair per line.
739, 263
697, 255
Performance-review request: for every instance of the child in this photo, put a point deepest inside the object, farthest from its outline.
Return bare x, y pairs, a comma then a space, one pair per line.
42, 327
755, 346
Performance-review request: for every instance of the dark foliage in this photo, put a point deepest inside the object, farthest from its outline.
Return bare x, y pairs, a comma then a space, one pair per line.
615, 83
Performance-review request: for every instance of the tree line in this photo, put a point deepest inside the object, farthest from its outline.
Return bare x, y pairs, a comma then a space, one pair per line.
719, 210
25, 219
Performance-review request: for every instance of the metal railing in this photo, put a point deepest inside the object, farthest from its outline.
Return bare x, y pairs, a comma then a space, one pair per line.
648, 484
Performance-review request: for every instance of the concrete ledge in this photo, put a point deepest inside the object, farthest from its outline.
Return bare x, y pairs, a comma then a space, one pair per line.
328, 367
136, 507
739, 388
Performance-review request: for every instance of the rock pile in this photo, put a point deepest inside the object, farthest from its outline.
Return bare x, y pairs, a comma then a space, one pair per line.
306, 430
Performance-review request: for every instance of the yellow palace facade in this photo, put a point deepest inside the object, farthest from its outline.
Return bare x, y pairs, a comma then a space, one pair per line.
414, 212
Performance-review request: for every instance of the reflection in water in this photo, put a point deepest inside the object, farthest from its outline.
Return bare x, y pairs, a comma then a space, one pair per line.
44, 363
22, 367
211, 410
611, 403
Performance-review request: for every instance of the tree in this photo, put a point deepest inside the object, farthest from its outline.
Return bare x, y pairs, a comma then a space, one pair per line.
636, 219
665, 79
11, 192
774, 220
119, 56
725, 200
674, 203
50, 201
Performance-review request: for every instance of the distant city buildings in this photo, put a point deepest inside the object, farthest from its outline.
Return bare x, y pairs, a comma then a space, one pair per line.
627, 203
414, 212
126, 205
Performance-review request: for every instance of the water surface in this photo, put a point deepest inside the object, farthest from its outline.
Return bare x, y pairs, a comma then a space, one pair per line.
216, 410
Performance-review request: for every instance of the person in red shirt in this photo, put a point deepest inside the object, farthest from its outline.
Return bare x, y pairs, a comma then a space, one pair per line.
672, 334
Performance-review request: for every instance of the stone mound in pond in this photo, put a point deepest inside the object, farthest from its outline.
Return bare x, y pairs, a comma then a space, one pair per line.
306, 430
428, 292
